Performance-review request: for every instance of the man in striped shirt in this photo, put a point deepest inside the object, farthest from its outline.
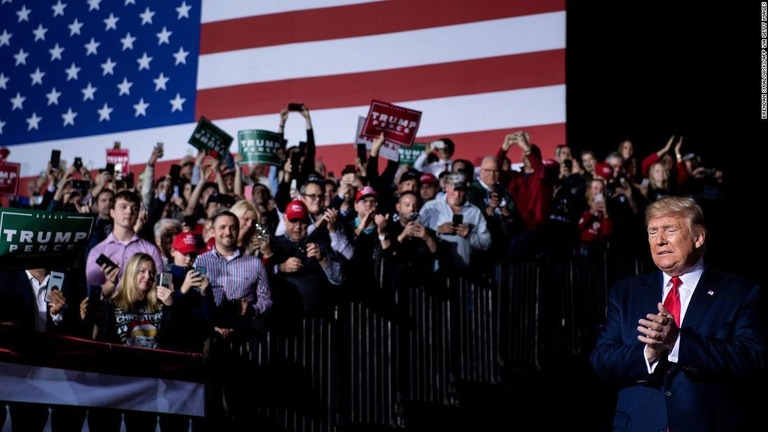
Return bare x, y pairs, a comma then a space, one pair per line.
239, 281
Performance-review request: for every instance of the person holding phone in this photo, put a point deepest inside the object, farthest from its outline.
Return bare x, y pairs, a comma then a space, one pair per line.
39, 300
140, 314
121, 244
458, 239
595, 224
303, 164
141, 303
498, 208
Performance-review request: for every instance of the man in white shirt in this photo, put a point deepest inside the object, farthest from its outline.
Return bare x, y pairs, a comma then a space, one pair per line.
459, 225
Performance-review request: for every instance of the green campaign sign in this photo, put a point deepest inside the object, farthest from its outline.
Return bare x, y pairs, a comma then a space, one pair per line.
259, 147
34, 238
209, 137
408, 155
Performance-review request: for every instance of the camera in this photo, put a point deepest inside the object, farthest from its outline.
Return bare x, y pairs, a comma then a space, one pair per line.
414, 217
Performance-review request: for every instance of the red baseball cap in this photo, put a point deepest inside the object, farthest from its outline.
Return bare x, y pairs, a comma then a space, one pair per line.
296, 209
604, 170
429, 179
185, 242
366, 191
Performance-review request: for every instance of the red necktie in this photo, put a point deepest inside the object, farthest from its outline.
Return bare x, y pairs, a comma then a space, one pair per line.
672, 302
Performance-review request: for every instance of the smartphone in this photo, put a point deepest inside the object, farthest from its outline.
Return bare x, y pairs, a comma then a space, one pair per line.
78, 163
118, 171
202, 270
129, 181
458, 219
110, 168
568, 164
160, 145
165, 279
55, 281
295, 163
293, 106
599, 197
175, 173
55, 160
103, 259
362, 153
84, 186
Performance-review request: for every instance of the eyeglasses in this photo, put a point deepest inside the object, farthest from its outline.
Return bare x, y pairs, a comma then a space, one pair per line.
313, 197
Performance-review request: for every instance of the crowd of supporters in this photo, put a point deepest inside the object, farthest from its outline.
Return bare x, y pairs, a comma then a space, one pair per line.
254, 249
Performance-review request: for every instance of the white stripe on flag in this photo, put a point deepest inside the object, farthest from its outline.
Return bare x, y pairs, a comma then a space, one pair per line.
508, 36
442, 116
221, 10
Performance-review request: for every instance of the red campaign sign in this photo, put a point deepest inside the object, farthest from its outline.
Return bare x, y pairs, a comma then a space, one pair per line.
398, 124
119, 156
9, 178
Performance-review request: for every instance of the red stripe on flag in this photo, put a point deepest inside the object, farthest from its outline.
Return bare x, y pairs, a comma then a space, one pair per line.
359, 20
472, 146
414, 83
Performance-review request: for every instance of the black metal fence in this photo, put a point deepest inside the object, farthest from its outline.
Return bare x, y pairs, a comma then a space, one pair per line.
362, 365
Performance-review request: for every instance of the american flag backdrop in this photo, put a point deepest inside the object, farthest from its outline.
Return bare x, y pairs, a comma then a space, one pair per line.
77, 75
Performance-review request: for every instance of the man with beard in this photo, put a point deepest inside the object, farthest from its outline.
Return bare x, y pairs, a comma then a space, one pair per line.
239, 281
242, 296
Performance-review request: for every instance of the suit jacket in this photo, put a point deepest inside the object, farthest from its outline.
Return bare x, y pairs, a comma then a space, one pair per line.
18, 303
722, 346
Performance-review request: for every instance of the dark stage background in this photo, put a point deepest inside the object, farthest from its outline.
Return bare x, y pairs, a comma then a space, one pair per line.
648, 70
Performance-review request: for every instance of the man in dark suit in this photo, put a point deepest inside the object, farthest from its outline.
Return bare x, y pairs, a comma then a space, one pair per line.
681, 373
32, 301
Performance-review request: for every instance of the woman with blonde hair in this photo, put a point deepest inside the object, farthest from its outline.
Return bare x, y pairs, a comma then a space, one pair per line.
140, 315
659, 184
253, 238
140, 311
